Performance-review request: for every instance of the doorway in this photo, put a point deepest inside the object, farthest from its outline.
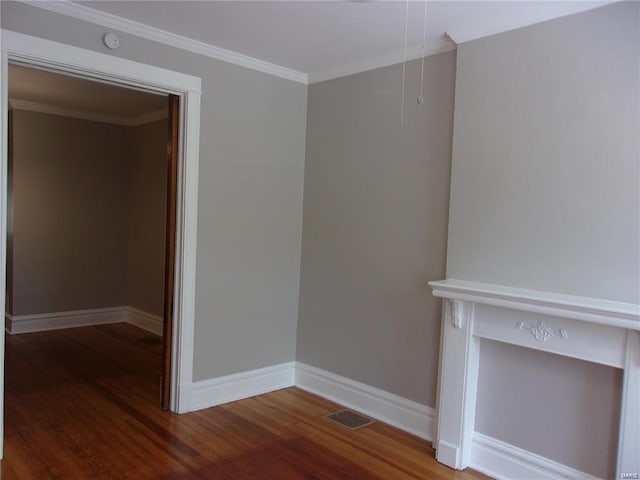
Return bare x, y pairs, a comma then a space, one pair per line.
36, 52
91, 200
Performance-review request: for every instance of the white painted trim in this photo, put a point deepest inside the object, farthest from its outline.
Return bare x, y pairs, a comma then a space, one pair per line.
216, 391
186, 247
43, 53
87, 63
16, 324
573, 327
457, 396
405, 414
594, 310
30, 106
441, 46
144, 320
57, 320
141, 30
629, 431
4, 121
501, 460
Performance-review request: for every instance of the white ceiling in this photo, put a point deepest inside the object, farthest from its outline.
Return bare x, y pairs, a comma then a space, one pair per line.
48, 92
328, 39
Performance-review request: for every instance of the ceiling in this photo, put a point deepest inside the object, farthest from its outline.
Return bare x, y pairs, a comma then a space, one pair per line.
48, 92
328, 39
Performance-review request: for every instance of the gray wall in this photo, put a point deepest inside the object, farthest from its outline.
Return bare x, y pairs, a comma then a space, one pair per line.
88, 215
555, 406
147, 216
250, 195
69, 193
544, 195
544, 190
375, 219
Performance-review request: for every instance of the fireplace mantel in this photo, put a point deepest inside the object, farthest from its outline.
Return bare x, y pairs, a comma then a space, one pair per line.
591, 329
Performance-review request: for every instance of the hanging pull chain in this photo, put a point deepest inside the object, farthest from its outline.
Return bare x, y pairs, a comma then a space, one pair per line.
424, 46
404, 61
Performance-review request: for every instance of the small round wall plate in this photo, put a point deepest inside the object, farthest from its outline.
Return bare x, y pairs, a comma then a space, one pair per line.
111, 41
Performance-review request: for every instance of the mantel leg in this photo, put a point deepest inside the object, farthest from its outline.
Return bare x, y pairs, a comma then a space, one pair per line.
628, 462
458, 384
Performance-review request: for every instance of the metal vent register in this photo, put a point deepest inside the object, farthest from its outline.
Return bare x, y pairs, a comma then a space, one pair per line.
349, 419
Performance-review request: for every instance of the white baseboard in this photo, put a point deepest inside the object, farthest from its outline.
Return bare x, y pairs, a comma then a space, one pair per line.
504, 461
57, 320
405, 414
209, 393
145, 320
39, 322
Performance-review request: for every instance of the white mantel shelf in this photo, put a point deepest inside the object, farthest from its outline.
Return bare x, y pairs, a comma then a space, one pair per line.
585, 328
594, 310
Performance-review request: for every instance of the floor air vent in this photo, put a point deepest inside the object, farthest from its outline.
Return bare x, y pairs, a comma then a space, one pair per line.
349, 419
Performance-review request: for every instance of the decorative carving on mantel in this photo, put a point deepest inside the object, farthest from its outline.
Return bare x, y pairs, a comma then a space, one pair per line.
455, 310
541, 332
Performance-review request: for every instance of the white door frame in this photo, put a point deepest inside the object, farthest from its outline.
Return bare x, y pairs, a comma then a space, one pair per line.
34, 51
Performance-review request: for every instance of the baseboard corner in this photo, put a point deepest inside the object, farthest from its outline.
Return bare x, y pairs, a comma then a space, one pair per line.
147, 321
407, 415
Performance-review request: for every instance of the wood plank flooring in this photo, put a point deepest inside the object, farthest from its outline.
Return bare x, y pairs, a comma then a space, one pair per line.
83, 404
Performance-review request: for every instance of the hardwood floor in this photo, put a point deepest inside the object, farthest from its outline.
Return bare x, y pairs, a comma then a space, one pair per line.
83, 404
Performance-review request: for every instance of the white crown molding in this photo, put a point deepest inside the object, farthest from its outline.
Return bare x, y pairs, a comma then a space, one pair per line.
148, 117
434, 48
27, 105
81, 12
